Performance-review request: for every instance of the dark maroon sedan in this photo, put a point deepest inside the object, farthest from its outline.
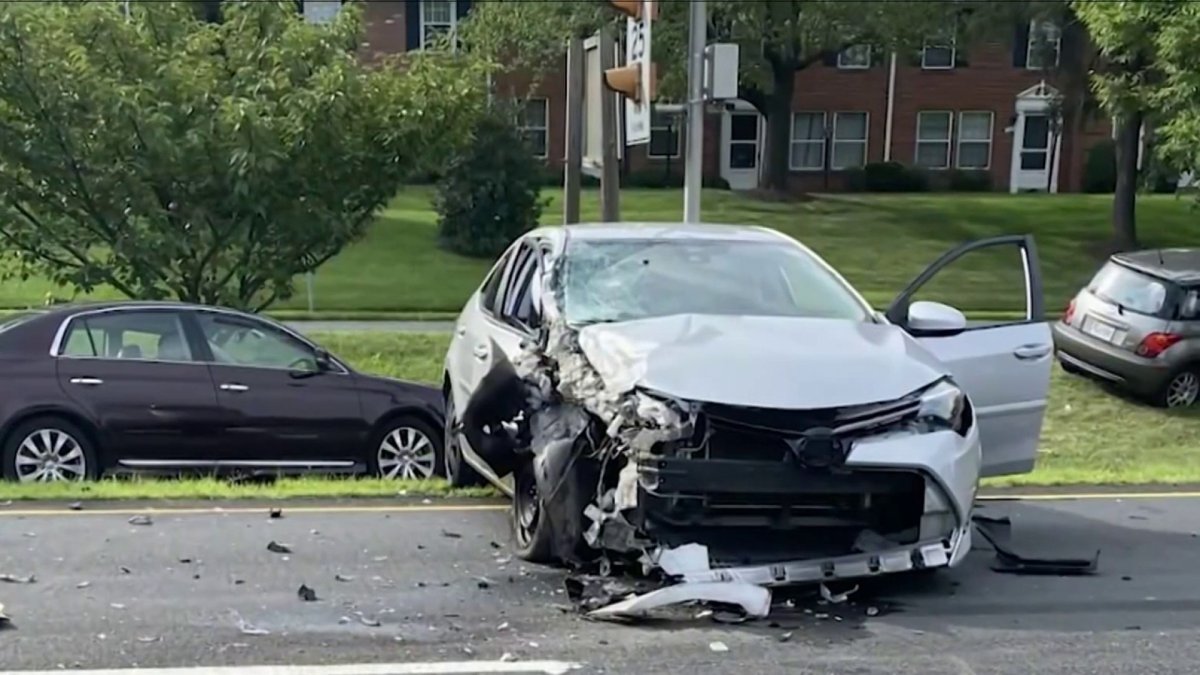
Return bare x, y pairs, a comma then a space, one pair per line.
176, 387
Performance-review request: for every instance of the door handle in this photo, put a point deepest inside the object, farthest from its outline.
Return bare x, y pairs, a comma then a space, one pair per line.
461, 330
234, 387
481, 352
1031, 352
87, 381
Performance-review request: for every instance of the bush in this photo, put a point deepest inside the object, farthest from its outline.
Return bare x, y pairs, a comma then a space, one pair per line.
969, 180
887, 177
1100, 169
490, 192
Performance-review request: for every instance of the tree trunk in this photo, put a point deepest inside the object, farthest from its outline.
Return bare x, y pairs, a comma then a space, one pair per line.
777, 144
1124, 218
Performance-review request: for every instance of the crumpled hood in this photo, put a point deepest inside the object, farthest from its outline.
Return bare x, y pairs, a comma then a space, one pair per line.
766, 362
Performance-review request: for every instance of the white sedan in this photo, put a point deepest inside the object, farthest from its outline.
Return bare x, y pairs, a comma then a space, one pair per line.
719, 403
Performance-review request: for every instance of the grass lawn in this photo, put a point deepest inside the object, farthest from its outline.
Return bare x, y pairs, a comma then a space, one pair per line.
1090, 437
879, 242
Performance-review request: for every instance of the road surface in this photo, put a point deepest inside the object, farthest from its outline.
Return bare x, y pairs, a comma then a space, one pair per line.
440, 583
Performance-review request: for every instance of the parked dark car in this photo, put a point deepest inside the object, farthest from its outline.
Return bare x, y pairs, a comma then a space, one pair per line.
1137, 325
177, 387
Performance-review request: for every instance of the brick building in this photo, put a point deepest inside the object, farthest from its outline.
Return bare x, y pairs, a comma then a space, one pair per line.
986, 109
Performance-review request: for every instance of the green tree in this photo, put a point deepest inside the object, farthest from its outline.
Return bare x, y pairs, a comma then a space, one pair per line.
169, 156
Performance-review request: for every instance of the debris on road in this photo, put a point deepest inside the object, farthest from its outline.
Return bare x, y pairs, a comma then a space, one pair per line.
275, 513
83, 584
147, 639
276, 547
116, 605
143, 519
185, 561
754, 600
998, 533
306, 594
368, 621
835, 599
6, 503
75, 506
507, 657
718, 647
345, 578
5, 622
483, 582
14, 579
248, 628
125, 570
451, 535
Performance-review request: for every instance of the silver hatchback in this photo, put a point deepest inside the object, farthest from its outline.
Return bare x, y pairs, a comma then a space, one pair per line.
1137, 324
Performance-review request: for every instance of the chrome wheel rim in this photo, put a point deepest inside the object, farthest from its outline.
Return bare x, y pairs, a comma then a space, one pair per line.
1183, 390
50, 456
406, 453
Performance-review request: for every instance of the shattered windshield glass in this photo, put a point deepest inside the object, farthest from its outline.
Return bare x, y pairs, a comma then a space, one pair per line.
622, 280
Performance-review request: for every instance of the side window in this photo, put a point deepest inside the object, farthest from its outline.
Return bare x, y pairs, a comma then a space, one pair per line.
239, 342
491, 286
139, 336
1189, 307
518, 306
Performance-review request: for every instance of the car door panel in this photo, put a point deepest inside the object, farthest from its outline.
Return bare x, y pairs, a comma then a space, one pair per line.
1005, 368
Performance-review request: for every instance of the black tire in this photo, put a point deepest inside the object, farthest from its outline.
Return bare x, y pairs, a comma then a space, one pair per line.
1070, 369
399, 425
531, 532
455, 468
1164, 398
53, 424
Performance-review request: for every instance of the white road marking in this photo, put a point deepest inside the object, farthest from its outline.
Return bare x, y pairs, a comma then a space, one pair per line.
448, 668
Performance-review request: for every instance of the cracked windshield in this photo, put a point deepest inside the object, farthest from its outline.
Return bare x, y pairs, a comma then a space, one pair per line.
361, 337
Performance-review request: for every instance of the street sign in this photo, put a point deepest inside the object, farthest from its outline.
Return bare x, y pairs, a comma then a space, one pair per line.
637, 53
593, 99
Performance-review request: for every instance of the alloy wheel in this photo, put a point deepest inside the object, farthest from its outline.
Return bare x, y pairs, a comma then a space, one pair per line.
1183, 390
50, 455
406, 453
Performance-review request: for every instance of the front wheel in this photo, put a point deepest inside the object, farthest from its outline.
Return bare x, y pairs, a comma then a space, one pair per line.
531, 529
50, 450
455, 468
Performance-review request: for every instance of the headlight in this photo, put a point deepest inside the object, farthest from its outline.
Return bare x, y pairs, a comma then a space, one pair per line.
944, 407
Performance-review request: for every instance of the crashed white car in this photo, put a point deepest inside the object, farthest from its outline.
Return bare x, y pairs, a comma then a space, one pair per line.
718, 403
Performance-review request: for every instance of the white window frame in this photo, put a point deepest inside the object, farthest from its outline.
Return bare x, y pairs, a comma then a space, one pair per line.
545, 129
452, 27
677, 126
842, 65
952, 43
822, 142
865, 142
1031, 41
314, 16
959, 140
949, 141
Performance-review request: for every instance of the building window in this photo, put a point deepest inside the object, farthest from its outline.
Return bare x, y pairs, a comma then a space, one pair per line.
849, 140
321, 11
975, 140
939, 52
438, 18
856, 57
1045, 45
535, 126
664, 135
808, 141
933, 140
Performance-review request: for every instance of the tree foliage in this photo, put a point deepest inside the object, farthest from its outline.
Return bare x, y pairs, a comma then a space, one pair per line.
490, 192
165, 156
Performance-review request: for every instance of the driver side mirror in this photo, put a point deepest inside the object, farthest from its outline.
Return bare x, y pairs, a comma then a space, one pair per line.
324, 361
935, 318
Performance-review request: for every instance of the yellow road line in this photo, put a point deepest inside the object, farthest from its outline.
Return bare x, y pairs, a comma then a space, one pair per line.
1065, 496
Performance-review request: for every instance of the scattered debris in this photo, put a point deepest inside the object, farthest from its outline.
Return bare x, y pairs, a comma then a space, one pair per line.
306, 594
83, 584
14, 579
451, 535
718, 647
5, 622
6, 503
754, 600
343, 620
31, 535
483, 582
998, 533
786, 637
276, 547
275, 513
495, 545
116, 605
75, 506
507, 657
502, 627
379, 558
248, 628
125, 570
368, 621
143, 519
148, 639
872, 611
835, 599
185, 561
343, 578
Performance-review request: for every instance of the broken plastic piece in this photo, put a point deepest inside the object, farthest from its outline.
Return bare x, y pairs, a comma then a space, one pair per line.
755, 600
306, 594
143, 519
13, 579
275, 513
997, 533
5, 622
275, 547
835, 598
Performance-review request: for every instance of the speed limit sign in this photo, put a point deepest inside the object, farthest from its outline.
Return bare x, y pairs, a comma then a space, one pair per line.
637, 52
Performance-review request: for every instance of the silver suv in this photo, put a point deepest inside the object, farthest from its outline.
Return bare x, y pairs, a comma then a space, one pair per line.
1137, 324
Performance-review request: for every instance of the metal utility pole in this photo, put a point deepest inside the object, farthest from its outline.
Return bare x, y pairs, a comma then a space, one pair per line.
610, 170
573, 167
693, 171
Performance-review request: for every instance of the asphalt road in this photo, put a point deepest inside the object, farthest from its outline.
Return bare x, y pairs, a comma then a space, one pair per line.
187, 575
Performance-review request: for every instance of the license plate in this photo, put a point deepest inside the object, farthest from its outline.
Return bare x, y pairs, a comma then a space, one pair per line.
1101, 330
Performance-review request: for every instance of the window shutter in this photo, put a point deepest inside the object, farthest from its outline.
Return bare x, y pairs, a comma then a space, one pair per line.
412, 24
1021, 45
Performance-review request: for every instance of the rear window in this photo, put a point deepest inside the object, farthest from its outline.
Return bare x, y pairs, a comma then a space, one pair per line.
1131, 291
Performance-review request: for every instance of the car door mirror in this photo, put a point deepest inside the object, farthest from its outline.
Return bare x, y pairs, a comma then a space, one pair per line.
935, 318
324, 361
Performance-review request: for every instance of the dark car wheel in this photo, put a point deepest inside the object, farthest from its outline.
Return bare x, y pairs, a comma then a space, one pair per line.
531, 532
454, 466
49, 449
406, 449
1182, 390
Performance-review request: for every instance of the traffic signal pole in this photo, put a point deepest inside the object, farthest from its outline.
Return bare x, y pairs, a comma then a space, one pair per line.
694, 156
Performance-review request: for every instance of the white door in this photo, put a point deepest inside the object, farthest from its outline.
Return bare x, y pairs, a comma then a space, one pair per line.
1003, 366
741, 134
1033, 146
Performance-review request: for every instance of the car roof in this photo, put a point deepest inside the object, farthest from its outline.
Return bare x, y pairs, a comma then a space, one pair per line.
654, 231
69, 308
1180, 265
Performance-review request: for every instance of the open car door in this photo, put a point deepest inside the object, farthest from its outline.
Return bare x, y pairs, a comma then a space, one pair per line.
1004, 366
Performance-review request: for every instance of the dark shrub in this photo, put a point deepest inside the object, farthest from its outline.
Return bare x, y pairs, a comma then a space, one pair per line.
969, 180
1100, 169
887, 177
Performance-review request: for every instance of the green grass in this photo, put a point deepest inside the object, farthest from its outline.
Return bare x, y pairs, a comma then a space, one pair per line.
215, 489
879, 243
